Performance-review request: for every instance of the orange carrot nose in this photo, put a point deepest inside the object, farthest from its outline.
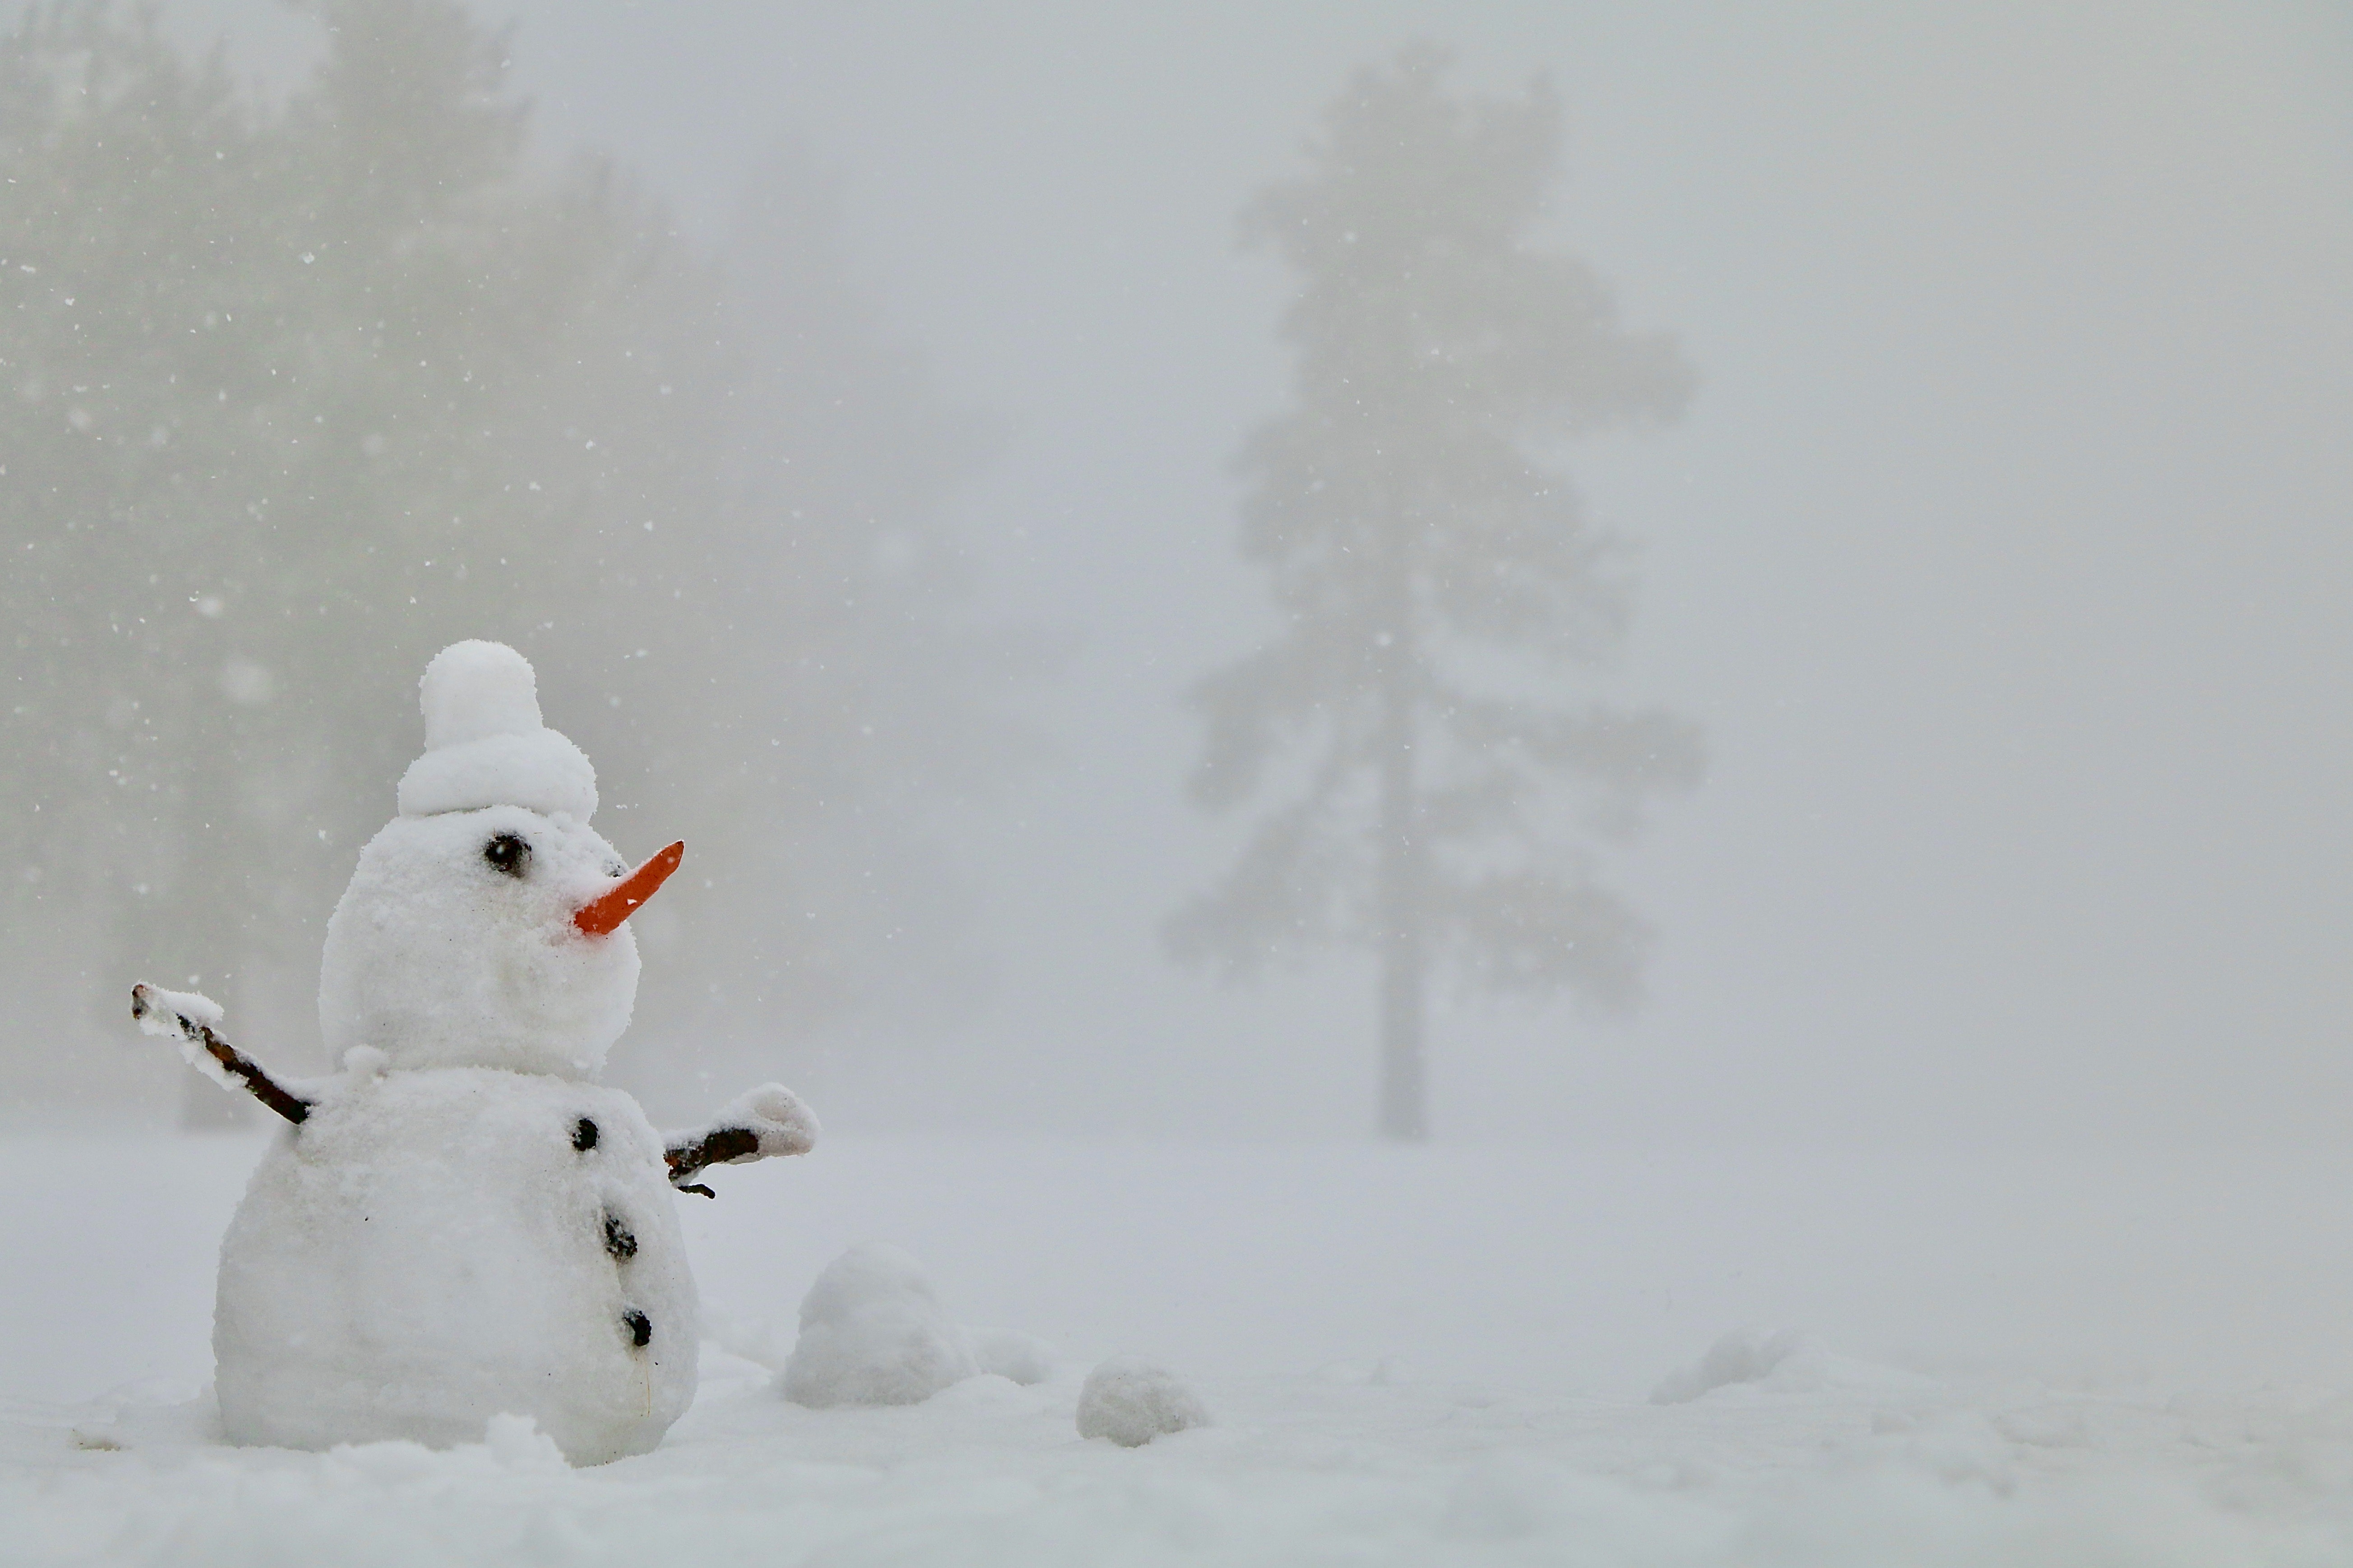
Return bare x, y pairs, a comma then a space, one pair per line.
604, 914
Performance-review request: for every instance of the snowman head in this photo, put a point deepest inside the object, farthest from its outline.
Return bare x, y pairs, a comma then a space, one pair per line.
484, 925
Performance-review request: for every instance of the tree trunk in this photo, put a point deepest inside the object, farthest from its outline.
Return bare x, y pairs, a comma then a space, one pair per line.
1405, 1114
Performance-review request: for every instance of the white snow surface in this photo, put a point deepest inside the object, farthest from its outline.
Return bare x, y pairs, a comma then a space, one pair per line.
1130, 1401
485, 744
1439, 1356
874, 1331
783, 1122
437, 958
432, 1249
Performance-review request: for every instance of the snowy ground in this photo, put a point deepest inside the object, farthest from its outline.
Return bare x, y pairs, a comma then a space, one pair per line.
1429, 1356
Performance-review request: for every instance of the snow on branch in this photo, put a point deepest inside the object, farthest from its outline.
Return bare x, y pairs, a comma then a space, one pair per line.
758, 1124
189, 1018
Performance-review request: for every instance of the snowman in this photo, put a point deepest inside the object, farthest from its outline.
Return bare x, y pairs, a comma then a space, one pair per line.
464, 1222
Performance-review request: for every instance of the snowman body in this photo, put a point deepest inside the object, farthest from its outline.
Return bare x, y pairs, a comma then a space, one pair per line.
467, 1223
435, 1246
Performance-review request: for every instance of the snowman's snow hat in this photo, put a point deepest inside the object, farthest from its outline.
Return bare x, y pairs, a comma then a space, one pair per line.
485, 744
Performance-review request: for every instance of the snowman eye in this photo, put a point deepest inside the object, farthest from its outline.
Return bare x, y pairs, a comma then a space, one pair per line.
509, 854
616, 868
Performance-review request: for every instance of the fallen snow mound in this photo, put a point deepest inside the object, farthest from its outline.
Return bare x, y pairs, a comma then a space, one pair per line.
1131, 1401
873, 1332
1744, 1355
1014, 1356
1782, 1360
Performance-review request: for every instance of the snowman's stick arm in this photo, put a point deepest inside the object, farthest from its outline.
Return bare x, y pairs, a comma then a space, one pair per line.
690, 1153
769, 1122
168, 1012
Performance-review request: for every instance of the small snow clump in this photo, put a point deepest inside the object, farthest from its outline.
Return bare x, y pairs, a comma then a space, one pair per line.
1131, 1401
1017, 1357
1781, 1361
169, 1015
873, 1333
1744, 1355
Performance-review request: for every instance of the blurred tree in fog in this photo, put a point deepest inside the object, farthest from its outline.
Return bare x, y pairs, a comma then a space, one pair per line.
297, 396
825, 693
1436, 577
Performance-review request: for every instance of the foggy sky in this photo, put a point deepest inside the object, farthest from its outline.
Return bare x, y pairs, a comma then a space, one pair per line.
2004, 553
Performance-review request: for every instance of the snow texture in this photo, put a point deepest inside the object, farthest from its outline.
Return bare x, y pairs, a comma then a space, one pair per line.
438, 958
190, 1005
873, 1332
474, 689
1017, 1357
162, 1018
1439, 1355
486, 744
1130, 1401
431, 1249
784, 1123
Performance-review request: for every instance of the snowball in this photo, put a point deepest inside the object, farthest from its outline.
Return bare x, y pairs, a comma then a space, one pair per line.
1017, 1357
873, 1333
485, 744
475, 689
1132, 1401
437, 958
430, 1250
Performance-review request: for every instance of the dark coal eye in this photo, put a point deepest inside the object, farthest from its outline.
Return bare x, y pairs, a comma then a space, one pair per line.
509, 854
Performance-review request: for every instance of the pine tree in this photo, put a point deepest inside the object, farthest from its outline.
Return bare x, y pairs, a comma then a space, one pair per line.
1439, 583
846, 693
289, 389
298, 391
133, 318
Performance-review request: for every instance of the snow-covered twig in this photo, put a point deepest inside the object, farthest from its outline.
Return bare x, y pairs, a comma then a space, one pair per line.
761, 1124
189, 1018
